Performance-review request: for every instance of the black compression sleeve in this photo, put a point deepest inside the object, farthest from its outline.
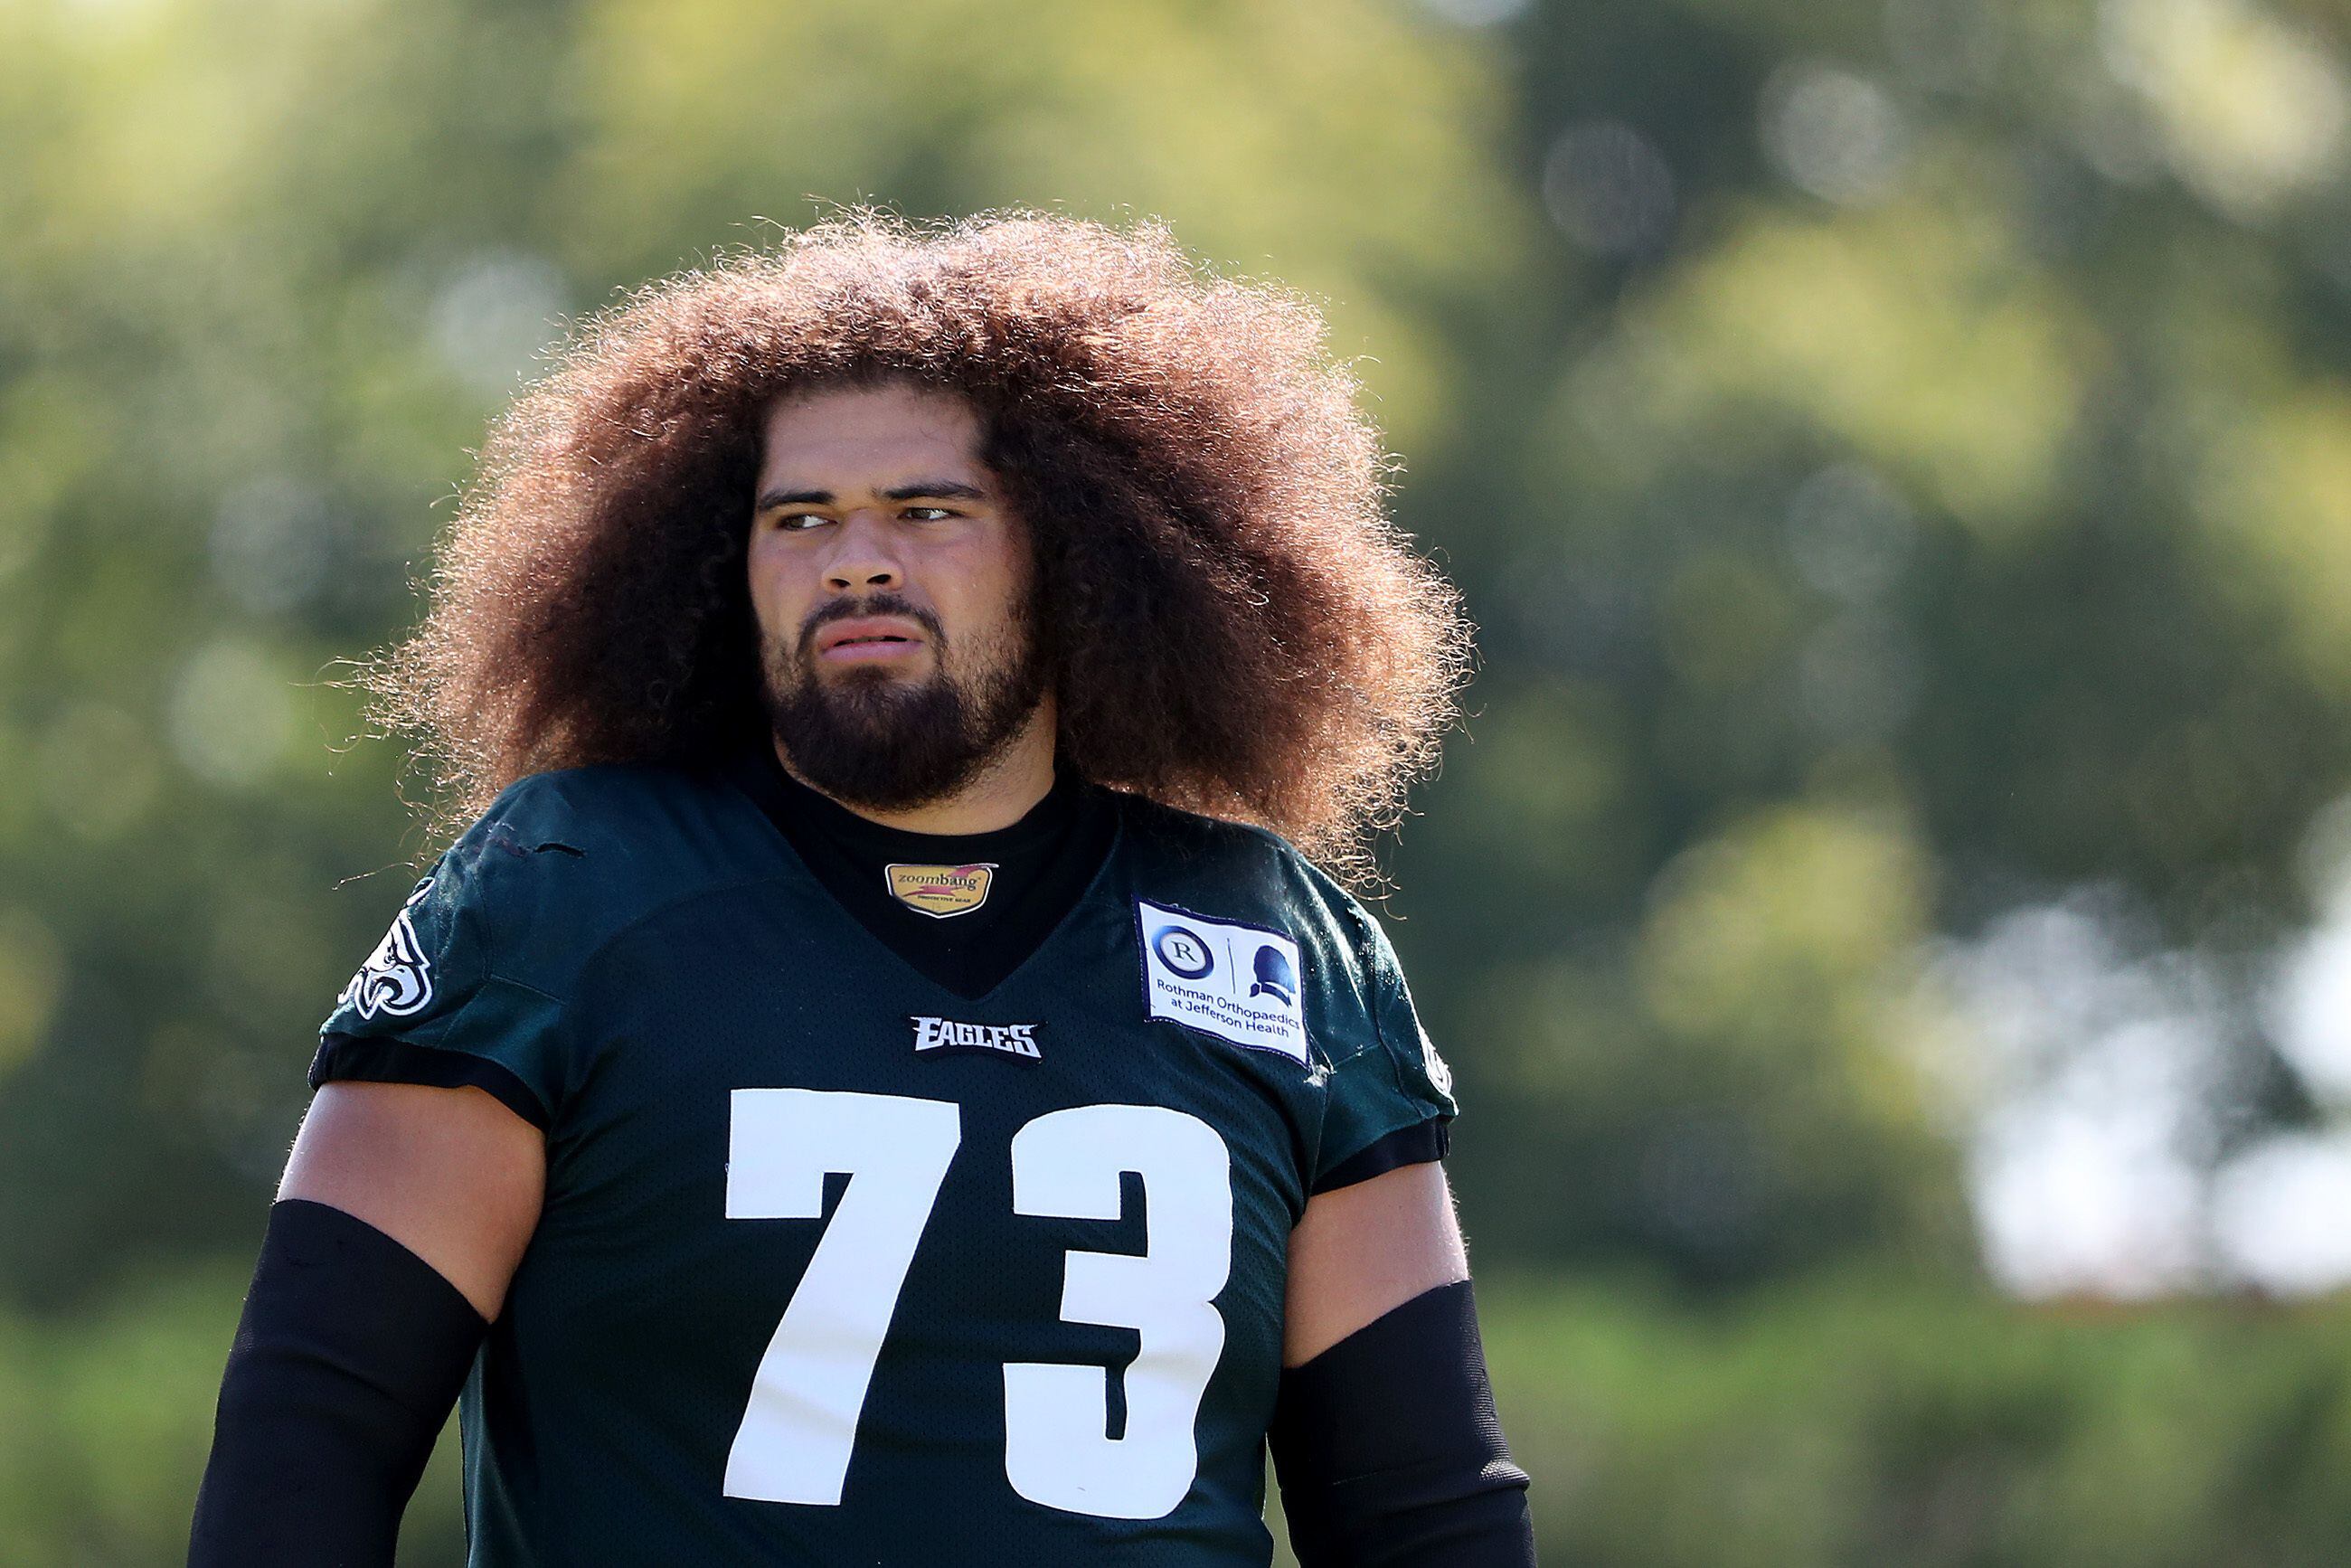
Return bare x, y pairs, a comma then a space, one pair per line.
1390, 1454
349, 1354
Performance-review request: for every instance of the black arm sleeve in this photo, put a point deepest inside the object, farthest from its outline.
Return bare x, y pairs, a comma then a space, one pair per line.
1389, 1452
349, 1354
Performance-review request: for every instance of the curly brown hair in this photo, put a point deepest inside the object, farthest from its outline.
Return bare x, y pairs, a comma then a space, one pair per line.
1231, 622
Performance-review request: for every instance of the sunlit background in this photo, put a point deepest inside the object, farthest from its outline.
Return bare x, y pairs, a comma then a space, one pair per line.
1889, 911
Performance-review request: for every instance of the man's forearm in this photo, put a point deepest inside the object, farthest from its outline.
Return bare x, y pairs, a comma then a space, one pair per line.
349, 1354
1390, 1454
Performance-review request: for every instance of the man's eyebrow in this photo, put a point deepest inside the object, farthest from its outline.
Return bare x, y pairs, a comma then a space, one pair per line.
935, 490
928, 489
793, 498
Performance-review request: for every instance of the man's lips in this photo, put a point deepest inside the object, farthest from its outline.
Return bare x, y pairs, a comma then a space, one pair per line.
867, 638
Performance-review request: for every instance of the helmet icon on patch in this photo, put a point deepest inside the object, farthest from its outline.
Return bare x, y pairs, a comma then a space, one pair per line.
1275, 977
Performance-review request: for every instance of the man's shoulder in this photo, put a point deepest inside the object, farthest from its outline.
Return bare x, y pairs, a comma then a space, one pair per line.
1232, 878
1240, 870
570, 858
1206, 845
607, 804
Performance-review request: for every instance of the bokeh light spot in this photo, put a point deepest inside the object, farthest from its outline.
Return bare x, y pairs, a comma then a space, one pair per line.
1609, 189
98, 770
271, 545
1836, 134
232, 714
494, 316
31, 972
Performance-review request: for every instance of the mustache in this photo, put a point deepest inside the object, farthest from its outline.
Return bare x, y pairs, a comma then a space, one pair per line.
885, 603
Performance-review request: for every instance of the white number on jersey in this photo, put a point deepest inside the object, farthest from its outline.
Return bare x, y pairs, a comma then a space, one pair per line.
1057, 1447
794, 1443
801, 1422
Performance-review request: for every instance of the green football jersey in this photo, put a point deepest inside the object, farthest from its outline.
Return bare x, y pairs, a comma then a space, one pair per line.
837, 1266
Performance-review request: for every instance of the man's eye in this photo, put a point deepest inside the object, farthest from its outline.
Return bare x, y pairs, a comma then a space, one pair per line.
793, 522
930, 514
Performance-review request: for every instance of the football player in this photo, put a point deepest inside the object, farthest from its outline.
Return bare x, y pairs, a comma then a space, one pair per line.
886, 1076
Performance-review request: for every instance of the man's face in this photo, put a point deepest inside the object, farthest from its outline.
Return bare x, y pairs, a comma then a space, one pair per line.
892, 588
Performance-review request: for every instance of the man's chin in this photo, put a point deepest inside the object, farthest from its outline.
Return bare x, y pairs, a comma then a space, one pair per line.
888, 681
879, 707
883, 767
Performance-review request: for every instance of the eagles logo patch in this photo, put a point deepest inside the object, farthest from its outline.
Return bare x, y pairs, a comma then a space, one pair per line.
397, 977
942, 891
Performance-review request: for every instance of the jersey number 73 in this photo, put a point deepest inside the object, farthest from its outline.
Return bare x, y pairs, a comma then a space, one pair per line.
801, 1422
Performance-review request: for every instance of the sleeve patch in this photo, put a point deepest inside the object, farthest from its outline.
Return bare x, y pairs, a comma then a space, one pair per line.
397, 979
1236, 982
1440, 1075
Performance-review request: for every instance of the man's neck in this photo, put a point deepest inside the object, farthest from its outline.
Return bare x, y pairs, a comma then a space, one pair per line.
998, 796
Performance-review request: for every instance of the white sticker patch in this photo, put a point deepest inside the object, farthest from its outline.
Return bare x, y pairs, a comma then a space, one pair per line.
1236, 982
397, 977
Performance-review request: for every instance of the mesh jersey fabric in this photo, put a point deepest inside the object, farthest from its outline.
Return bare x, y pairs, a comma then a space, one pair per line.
1039, 867
836, 1266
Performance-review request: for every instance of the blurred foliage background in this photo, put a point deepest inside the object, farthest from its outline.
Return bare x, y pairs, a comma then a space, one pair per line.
1887, 911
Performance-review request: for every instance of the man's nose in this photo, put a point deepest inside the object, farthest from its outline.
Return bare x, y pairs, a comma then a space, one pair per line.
862, 556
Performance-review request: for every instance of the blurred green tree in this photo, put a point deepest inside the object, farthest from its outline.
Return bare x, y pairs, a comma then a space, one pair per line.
1928, 428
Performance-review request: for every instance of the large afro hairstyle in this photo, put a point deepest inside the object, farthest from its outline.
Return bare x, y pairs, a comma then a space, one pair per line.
1231, 622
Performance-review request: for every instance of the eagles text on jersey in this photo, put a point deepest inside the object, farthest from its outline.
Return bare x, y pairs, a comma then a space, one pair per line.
836, 1266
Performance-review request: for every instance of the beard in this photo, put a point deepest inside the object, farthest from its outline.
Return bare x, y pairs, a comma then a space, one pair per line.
873, 738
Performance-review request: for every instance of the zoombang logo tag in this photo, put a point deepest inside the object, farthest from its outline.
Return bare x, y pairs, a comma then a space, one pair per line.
1239, 983
397, 977
941, 890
